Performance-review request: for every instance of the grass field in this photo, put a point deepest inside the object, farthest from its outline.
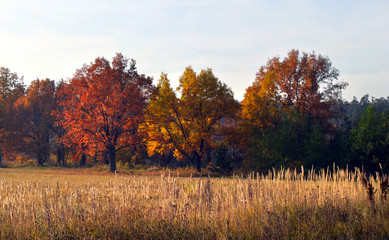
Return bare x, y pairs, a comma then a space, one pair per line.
84, 204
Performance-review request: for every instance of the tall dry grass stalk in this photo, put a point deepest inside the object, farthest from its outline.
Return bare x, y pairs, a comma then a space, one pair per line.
282, 204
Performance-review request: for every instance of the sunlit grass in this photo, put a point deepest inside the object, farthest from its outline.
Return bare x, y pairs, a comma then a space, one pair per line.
66, 203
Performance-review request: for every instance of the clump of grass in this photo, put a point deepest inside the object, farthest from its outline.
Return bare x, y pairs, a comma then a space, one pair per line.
285, 204
369, 189
384, 188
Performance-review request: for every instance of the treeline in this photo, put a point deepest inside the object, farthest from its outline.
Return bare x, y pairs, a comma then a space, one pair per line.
291, 115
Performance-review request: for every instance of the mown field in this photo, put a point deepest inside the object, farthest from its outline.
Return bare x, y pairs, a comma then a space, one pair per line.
74, 204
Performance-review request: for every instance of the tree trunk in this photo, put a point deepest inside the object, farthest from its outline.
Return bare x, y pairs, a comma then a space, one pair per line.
1, 155
95, 158
83, 160
197, 161
112, 159
61, 156
106, 160
40, 160
39, 156
166, 159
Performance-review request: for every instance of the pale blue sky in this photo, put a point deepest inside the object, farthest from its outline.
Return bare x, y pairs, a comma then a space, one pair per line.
51, 39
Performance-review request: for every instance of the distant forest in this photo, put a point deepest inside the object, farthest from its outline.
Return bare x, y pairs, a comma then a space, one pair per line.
291, 115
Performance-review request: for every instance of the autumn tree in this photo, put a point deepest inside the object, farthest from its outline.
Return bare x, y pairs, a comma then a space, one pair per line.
11, 88
301, 87
35, 120
306, 83
58, 130
188, 124
103, 106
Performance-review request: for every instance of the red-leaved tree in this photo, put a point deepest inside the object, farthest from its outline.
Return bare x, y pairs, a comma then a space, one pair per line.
102, 106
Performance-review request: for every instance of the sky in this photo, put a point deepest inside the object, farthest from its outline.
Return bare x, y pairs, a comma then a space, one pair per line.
52, 39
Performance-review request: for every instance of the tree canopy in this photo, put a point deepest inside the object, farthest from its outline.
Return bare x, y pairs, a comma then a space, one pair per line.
306, 83
188, 125
35, 121
287, 108
11, 88
103, 105
370, 140
291, 115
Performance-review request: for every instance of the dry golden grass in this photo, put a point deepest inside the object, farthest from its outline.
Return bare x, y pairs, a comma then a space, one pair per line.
73, 204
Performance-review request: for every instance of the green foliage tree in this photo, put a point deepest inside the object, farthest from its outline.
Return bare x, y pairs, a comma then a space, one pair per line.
224, 161
296, 141
190, 124
370, 140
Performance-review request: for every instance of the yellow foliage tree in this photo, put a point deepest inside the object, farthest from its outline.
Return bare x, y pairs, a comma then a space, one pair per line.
188, 125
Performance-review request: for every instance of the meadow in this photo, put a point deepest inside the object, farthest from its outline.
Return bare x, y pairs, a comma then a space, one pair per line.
284, 204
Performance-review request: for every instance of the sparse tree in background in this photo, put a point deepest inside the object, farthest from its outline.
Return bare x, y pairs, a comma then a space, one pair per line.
189, 124
352, 111
35, 121
11, 88
103, 106
58, 130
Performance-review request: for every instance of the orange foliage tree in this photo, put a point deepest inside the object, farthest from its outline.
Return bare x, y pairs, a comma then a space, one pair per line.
303, 83
103, 105
188, 125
